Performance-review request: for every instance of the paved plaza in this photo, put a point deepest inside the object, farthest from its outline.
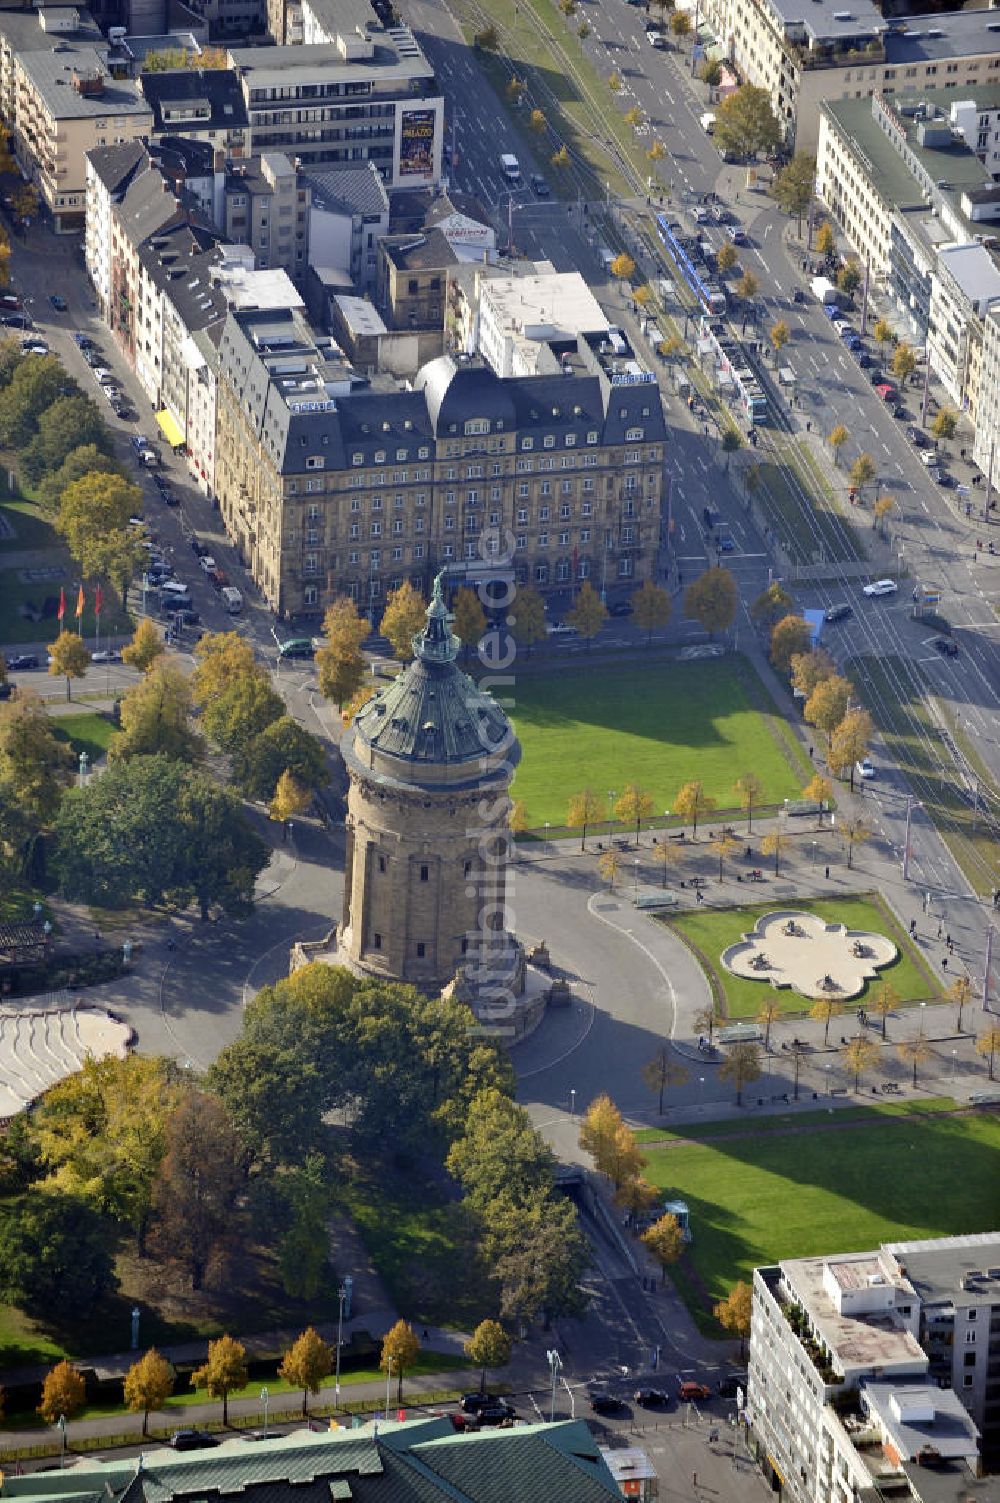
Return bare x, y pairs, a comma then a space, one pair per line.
789, 948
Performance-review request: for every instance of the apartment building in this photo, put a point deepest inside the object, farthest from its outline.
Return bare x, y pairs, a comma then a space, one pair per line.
520, 316
986, 439
920, 208
66, 104
870, 1373
331, 486
109, 171
265, 205
37, 31
348, 217
203, 106
826, 51
412, 278
368, 96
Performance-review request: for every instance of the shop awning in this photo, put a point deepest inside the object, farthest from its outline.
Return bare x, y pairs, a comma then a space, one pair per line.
170, 428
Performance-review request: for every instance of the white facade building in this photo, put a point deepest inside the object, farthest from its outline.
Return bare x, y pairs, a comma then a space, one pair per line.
519, 315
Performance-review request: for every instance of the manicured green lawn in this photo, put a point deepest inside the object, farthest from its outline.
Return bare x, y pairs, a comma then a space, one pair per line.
757, 1198
710, 931
31, 529
89, 732
658, 726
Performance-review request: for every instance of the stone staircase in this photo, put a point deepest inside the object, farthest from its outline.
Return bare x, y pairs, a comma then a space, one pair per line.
42, 1044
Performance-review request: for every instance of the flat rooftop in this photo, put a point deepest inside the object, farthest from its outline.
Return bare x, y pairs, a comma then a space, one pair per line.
915, 1416
833, 20
860, 1341
974, 270
964, 1270
557, 301
959, 33
284, 67
51, 74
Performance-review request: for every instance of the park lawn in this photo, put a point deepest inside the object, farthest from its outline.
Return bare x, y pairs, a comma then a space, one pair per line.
781, 1122
757, 1198
658, 725
88, 732
709, 931
16, 592
32, 529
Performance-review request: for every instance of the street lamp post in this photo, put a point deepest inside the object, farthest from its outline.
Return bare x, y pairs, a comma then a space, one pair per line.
61, 1422
265, 1399
388, 1379
954, 1064
923, 1015
635, 865
612, 795
341, 1296
572, 1101
911, 804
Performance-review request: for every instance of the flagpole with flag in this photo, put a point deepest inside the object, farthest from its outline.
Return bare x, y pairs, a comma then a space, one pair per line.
79, 612
61, 612
98, 603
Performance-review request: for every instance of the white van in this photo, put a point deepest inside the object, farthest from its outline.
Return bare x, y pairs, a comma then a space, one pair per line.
231, 599
707, 122
511, 168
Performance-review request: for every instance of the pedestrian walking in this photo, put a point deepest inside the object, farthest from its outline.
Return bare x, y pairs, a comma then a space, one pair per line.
940, 929
948, 942
913, 926
944, 963
694, 1479
826, 873
812, 752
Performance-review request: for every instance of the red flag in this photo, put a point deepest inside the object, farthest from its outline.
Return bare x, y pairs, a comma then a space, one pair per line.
98, 602
79, 603
60, 613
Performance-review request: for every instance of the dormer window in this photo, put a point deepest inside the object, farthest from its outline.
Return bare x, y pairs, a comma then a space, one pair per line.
357, 459
633, 435
527, 443
401, 454
380, 456
315, 462
476, 426
592, 438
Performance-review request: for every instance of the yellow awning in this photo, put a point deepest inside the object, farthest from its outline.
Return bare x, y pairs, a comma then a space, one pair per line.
170, 428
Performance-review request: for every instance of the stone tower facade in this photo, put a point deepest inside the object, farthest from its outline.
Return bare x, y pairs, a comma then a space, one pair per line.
430, 760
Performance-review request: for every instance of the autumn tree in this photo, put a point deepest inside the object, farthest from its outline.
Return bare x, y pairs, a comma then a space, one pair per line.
885, 1000
634, 117
726, 257
773, 844
706, 1019
780, 335
852, 831
623, 267
666, 856
791, 636
849, 743
665, 1242
584, 809
306, 1363
883, 334
290, 798
904, 362
148, 1385
404, 616
849, 277
93, 518
959, 992
680, 24
793, 187
651, 608
742, 1066
748, 287
489, 1346
811, 668
820, 790
638, 1197
537, 122
517, 816
734, 1312
945, 424
633, 805
340, 665
69, 658
598, 1126
589, 612
609, 864
859, 1055
560, 159
145, 647
63, 1393
615, 81
826, 706
824, 1010
723, 846
527, 617
712, 599
691, 803
470, 618
662, 1073
154, 717
987, 1044
881, 508
837, 438
224, 1371
914, 1052
770, 1012
771, 604
197, 1190
34, 766
400, 1350
826, 240
862, 470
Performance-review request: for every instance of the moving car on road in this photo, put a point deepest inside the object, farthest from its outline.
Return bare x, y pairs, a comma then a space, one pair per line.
652, 1398
192, 1440
21, 661
880, 587
838, 612
689, 1391
865, 769
945, 646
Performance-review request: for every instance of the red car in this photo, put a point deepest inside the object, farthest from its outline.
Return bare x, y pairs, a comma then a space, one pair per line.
689, 1391
886, 392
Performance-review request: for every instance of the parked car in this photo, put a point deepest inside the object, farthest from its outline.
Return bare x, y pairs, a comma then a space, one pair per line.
880, 587
916, 435
34, 347
652, 1398
198, 547
865, 769
84, 341
798, 296
928, 457
296, 647
473, 1402
943, 478
729, 1386
560, 629
886, 391
187, 617
838, 612
21, 661
865, 360
539, 186
207, 562
58, 302
690, 1390
192, 1440
739, 237
945, 646
603, 1401
496, 1412
106, 655
620, 608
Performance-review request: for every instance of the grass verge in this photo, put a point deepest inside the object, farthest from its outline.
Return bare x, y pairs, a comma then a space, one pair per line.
659, 726
709, 931
87, 732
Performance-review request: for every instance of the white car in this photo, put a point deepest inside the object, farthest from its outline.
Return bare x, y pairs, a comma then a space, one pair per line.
881, 587
561, 629
207, 562
656, 38
928, 457
865, 768
34, 347
111, 655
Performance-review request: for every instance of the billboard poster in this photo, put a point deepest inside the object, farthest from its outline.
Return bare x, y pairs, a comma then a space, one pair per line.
416, 144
